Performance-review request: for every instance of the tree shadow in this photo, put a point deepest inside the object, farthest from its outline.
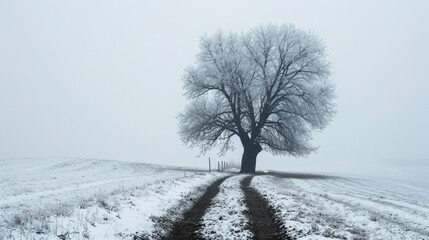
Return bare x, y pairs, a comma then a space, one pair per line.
295, 175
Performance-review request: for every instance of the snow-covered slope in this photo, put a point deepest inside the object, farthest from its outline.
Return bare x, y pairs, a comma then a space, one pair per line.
90, 199
348, 208
98, 199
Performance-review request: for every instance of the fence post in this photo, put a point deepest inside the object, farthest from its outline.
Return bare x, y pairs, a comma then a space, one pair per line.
210, 166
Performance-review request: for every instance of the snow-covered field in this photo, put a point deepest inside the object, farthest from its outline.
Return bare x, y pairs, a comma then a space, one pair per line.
347, 208
99, 199
91, 199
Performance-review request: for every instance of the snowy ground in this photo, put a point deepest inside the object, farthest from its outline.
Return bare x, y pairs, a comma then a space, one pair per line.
91, 199
348, 208
97, 199
226, 218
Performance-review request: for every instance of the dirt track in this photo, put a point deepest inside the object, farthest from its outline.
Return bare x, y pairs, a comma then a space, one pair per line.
264, 223
189, 225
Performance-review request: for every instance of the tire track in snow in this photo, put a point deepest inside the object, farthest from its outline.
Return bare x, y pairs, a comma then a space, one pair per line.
230, 209
389, 213
370, 196
313, 197
189, 225
397, 219
227, 216
401, 200
264, 223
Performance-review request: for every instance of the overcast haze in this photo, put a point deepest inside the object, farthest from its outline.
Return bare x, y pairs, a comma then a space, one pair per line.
103, 79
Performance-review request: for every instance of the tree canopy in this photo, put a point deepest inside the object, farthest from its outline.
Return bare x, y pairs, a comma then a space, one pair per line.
269, 86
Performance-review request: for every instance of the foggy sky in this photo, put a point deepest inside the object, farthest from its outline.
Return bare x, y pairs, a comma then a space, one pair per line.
103, 79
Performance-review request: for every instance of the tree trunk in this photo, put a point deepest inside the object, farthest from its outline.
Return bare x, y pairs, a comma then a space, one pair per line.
248, 161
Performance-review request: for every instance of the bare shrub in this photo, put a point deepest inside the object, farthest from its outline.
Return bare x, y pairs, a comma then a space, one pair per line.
85, 202
61, 210
101, 200
314, 227
328, 233
17, 220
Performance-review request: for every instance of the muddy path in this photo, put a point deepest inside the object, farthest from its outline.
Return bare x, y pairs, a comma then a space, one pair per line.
264, 223
189, 224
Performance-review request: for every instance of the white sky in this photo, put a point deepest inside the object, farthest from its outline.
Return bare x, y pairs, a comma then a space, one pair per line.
102, 79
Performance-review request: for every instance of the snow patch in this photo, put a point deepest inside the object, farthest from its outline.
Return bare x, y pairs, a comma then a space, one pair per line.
226, 218
347, 208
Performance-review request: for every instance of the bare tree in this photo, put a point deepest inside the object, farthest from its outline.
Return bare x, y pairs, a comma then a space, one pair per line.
270, 86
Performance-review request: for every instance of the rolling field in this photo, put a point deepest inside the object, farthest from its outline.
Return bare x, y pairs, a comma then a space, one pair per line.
97, 199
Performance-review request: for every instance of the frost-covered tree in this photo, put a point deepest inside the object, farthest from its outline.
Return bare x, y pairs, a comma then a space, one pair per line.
269, 86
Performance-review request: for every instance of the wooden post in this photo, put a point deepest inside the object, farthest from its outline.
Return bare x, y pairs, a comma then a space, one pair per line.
210, 166
218, 166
